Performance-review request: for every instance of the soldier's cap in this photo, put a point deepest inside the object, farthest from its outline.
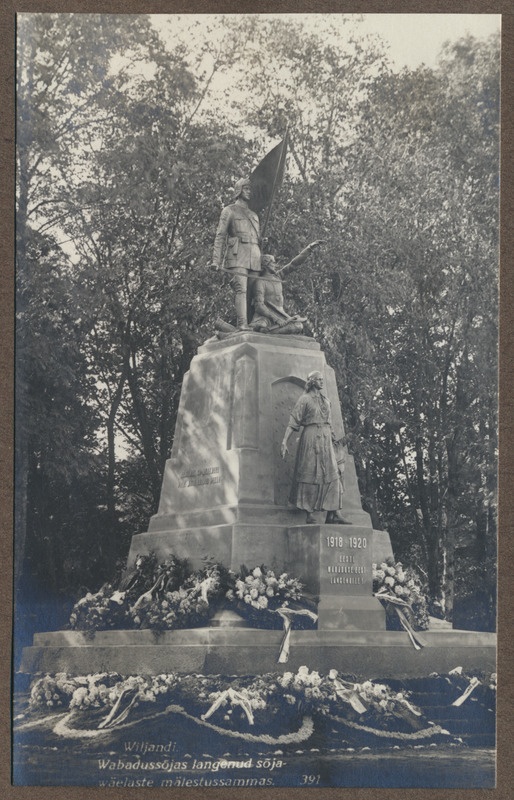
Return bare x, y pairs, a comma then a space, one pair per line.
238, 187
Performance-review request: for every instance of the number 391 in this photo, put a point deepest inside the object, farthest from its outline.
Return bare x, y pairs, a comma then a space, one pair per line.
310, 780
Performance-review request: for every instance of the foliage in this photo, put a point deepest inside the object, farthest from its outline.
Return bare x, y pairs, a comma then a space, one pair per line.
191, 604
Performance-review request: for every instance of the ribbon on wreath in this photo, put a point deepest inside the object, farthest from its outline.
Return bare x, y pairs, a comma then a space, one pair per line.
346, 692
206, 586
148, 596
121, 709
288, 614
417, 641
236, 698
474, 682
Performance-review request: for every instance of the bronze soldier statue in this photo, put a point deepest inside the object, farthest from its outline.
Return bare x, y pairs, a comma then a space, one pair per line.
267, 296
239, 232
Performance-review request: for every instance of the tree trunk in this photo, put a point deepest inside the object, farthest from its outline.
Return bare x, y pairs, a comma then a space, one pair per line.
145, 431
111, 442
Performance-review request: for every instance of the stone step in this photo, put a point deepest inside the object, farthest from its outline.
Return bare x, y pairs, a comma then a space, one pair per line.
240, 651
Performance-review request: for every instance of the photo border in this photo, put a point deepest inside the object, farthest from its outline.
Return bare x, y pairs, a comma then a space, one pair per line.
505, 761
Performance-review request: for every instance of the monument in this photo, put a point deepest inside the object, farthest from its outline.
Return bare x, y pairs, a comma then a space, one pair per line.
226, 487
227, 491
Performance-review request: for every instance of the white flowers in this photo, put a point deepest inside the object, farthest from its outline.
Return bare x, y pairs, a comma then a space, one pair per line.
270, 696
185, 599
79, 698
105, 609
261, 589
393, 580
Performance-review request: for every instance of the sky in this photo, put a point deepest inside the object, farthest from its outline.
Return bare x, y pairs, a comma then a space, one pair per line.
412, 39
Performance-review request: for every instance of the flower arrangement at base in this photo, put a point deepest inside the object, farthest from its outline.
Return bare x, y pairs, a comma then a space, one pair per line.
104, 610
260, 593
52, 691
169, 596
333, 695
268, 709
191, 605
400, 587
159, 596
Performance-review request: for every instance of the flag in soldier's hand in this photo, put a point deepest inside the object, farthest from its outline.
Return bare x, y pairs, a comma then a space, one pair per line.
267, 176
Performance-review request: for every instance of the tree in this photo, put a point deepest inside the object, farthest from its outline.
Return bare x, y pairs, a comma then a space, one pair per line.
55, 424
113, 159
422, 240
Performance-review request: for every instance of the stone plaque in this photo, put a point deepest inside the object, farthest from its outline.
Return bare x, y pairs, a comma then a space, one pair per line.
345, 561
334, 564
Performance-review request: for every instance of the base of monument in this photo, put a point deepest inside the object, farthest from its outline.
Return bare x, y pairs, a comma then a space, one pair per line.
351, 613
237, 651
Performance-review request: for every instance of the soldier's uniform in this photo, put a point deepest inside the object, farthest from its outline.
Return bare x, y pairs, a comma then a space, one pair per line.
268, 300
239, 229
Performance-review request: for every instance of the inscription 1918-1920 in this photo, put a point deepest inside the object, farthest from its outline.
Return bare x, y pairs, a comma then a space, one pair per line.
355, 542
349, 566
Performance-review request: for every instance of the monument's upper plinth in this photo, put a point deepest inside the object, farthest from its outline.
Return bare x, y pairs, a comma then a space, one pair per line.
234, 410
299, 342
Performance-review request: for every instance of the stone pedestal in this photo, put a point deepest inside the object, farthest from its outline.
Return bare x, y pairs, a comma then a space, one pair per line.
225, 489
334, 562
225, 499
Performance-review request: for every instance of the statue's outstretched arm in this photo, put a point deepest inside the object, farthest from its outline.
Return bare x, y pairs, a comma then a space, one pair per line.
301, 257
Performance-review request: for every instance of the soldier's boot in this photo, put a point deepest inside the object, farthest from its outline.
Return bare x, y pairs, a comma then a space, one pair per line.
241, 317
335, 518
224, 327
